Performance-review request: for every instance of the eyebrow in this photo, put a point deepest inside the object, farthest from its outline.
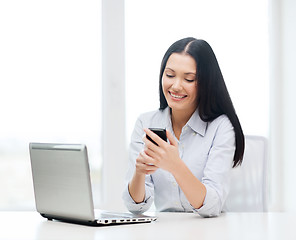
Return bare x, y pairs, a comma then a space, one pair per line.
184, 73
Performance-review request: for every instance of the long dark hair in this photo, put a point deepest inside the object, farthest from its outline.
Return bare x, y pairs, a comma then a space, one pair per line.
213, 98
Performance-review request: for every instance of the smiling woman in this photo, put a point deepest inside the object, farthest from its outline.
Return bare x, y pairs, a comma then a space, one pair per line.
204, 135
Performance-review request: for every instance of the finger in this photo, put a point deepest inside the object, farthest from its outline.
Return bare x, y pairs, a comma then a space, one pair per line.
142, 162
148, 143
140, 159
148, 160
171, 139
144, 168
150, 147
151, 153
151, 168
152, 171
154, 137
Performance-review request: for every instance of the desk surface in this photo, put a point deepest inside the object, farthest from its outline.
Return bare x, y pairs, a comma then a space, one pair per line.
250, 226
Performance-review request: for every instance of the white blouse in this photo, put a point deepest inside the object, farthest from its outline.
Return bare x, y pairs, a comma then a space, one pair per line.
207, 148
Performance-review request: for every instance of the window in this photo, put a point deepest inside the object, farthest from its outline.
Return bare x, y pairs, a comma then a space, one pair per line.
50, 87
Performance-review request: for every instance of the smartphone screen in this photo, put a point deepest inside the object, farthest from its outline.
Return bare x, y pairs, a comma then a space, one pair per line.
160, 132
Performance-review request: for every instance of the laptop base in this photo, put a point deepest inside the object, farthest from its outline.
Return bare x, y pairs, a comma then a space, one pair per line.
96, 223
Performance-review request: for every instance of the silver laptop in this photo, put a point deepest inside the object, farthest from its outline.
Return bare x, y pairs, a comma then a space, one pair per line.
62, 186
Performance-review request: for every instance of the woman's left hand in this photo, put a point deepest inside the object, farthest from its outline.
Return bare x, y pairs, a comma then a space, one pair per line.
165, 155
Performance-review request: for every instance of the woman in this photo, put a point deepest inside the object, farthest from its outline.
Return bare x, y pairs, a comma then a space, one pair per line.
190, 172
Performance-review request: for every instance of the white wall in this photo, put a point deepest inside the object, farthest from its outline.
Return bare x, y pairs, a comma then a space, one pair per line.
282, 104
113, 98
288, 48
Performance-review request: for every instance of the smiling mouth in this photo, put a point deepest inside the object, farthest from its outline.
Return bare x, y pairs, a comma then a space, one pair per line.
177, 96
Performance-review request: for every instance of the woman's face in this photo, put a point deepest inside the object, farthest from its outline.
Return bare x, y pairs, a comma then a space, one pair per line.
179, 83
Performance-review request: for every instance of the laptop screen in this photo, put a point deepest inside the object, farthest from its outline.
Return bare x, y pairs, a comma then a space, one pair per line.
61, 180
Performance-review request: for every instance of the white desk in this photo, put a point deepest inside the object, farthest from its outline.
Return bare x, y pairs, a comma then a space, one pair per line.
181, 226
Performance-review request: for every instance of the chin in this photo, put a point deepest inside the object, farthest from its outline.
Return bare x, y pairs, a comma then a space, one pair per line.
177, 108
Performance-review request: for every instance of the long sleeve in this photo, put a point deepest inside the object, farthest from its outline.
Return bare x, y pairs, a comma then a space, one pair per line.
216, 172
136, 146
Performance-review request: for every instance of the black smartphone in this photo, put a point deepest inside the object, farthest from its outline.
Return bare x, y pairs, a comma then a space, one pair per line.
160, 132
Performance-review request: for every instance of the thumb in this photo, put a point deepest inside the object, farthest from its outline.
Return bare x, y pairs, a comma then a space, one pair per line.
171, 139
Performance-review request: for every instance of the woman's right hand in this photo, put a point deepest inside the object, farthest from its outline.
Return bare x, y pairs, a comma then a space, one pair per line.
136, 187
144, 164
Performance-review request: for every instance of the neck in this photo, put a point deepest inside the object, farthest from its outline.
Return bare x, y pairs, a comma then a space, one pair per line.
179, 119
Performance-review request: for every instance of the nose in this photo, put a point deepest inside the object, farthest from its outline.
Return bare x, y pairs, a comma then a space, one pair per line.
177, 85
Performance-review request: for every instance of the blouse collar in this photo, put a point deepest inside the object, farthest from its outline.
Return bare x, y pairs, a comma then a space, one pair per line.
195, 122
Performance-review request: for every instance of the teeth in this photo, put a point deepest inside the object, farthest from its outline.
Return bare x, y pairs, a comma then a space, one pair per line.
176, 96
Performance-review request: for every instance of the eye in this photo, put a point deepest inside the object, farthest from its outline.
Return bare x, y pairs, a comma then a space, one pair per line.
189, 80
169, 75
